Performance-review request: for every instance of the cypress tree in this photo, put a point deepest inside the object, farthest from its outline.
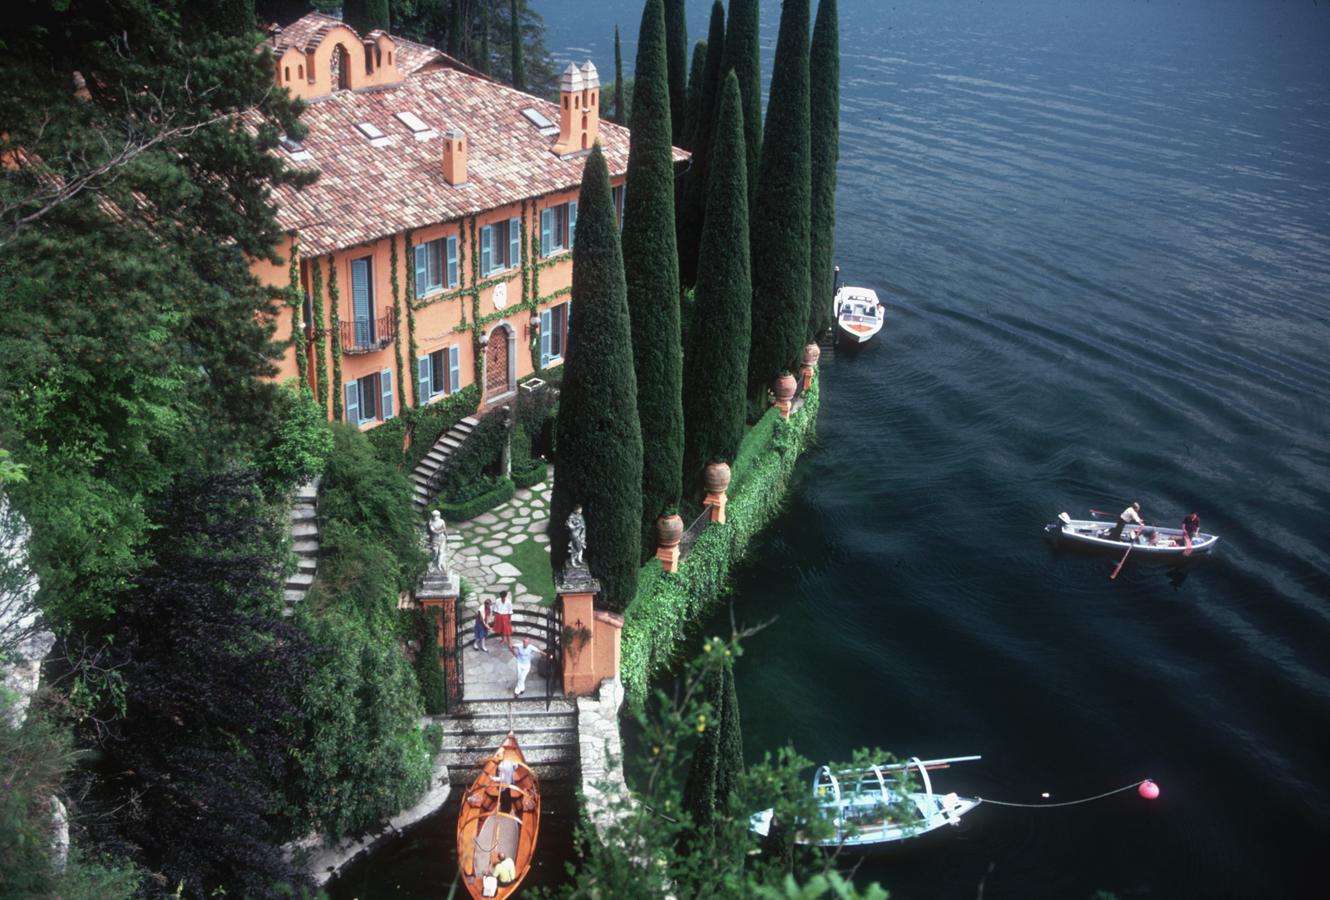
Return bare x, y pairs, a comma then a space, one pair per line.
781, 204
696, 74
717, 370
699, 790
695, 183
599, 439
620, 114
483, 61
731, 743
366, 15
652, 265
743, 55
455, 42
824, 144
676, 53
519, 69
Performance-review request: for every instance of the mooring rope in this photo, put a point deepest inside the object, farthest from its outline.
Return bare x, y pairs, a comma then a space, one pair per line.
1065, 802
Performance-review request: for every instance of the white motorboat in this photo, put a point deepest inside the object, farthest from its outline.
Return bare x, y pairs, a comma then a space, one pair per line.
859, 314
869, 806
1148, 540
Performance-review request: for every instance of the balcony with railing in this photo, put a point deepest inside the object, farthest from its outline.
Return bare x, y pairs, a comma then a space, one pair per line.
365, 335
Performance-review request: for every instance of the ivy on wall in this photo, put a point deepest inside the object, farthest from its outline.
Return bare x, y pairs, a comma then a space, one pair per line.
336, 305
397, 315
666, 604
416, 399
320, 336
477, 354
297, 316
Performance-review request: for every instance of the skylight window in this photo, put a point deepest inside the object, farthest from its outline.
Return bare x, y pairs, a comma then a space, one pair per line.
376, 137
294, 148
538, 118
422, 131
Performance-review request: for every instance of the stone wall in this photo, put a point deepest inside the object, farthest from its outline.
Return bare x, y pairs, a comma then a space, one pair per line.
602, 752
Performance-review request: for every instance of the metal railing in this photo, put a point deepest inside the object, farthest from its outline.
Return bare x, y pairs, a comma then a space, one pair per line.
544, 626
693, 532
363, 335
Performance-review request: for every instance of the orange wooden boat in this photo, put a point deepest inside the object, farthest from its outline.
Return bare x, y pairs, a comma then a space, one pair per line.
500, 818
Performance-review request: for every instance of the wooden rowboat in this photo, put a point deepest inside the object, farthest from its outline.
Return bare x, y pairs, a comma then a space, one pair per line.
1164, 544
500, 816
858, 313
869, 806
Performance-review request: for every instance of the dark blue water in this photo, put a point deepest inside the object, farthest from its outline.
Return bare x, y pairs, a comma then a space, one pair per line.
1104, 232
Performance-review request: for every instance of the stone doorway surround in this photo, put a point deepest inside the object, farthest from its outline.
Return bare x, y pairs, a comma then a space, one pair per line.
500, 376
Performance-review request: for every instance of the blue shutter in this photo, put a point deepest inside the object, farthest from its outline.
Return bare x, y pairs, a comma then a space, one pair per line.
486, 254
452, 262
422, 270
546, 232
454, 370
360, 300
386, 382
544, 338
424, 374
353, 403
572, 223
514, 243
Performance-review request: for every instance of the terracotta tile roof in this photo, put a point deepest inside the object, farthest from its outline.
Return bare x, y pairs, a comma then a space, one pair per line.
302, 32
365, 192
411, 57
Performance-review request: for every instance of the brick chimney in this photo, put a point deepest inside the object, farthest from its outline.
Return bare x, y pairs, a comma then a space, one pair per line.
570, 112
590, 105
454, 156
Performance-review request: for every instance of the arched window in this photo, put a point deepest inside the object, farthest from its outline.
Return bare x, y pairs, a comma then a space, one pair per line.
341, 69
369, 60
288, 74
300, 71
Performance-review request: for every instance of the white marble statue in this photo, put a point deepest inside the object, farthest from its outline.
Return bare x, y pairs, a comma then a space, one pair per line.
438, 543
576, 537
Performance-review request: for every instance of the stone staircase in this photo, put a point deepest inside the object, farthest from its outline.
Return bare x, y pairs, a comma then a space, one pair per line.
304, 542
548, 739
448, 442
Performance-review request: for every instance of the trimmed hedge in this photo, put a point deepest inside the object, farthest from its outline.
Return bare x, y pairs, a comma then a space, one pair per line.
755, 444
666, 604
529, 476
469, 509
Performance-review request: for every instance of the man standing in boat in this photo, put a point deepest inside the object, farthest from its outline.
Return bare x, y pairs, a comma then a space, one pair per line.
1130, 515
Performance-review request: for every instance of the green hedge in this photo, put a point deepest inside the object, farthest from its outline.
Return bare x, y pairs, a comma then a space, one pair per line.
529, 476
666, 604
469, 509
427, 423
756, 443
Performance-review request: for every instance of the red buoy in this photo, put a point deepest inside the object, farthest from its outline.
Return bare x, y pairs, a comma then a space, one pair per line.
1148, 789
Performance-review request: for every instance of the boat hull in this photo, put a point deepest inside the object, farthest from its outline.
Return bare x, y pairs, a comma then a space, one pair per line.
500, 814
858, 314
1092, 536
871, 837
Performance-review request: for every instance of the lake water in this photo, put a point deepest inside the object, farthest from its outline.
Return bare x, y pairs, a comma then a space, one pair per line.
1103, 233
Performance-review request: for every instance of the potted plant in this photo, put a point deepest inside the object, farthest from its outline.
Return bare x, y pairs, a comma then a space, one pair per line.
812, 353
784, 387
669, 528
716, 476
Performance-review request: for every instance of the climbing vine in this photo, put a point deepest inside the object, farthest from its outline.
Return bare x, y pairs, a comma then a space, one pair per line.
530, 283
297, 316
397, 315
336, 303
416, 399
320, 336
477, 355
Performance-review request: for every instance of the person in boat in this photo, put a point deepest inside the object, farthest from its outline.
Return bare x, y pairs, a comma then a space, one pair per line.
505, 870
1129, 516
1192, 525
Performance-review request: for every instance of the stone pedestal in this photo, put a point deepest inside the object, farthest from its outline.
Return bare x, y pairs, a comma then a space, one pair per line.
669, 558
784, 406
437, 595
805, 377
577, 598
717, 504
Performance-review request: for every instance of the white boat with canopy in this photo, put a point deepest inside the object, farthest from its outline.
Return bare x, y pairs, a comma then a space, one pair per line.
874, 805
859, 314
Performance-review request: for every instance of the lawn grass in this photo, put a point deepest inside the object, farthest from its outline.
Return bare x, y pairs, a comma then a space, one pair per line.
533, 560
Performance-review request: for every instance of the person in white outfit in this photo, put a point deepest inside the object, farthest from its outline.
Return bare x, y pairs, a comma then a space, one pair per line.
524, 655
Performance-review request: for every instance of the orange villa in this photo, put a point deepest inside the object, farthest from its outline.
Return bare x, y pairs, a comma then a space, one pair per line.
469, 185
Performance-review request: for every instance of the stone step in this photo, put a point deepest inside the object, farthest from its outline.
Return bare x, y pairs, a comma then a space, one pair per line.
464, 769
469, 421
308, 490
553, 777
305, 529
439, 454
306, 546
303, 513
493, 728
452, 443
291, 595
300, 580
526, 706
307, 564
543, 745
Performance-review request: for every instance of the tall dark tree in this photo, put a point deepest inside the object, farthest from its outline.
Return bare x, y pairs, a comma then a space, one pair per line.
652, 264
519, 67
366, 15
456, 30
233, 18
824, 144
696, 74
695, 182
712, 787
717, 358
743, 54
620, 114
676, 52
598, 436
781, 249
212, 680
483, 54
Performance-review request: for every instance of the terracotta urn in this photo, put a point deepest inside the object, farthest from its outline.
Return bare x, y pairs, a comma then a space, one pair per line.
784, 388
716, 477
669, 529
812, 353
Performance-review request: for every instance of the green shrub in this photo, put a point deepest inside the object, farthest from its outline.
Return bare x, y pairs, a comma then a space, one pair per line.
469, 509
531, 474
433, 733
755, 444
300, 447
429, 676
667, 603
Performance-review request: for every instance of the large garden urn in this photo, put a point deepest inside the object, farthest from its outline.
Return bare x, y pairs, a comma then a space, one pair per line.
812, 353
716, 477
783, 387
669, 529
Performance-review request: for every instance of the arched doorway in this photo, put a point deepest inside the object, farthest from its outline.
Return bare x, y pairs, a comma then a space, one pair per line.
499, 363
341, 69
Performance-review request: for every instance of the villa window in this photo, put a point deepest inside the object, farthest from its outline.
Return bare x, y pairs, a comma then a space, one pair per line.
558, 228
500, 247
370, 399
436, 266
439, 373
362, 300
553, 334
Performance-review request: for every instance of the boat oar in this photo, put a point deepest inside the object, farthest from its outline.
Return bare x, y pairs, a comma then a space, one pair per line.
1099, 512
1120, 562
1186, 541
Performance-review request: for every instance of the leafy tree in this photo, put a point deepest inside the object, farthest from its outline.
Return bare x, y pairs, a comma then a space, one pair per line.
695, 181
743, 55
676, 53
515, 38
694, 105
717, 357
781, 252
433, 693
620, 114
233, 18
366, 15
300, 446
598, 436
824, 145
651, 261
212, 675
